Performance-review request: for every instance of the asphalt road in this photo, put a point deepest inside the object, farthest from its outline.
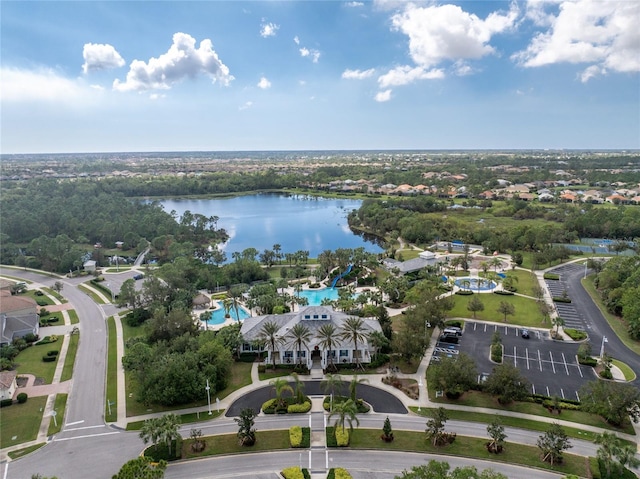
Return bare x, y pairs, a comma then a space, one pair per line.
380, 401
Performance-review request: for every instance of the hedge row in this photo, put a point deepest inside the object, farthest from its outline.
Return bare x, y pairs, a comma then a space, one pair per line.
561, 299
342, 436
551, 276
464, 292
503, 292
295, 436
575, 334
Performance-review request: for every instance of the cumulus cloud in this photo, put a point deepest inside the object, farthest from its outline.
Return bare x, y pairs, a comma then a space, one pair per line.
264, 83
357, 74
182, 60
440, 33
311, 53
605, 34
383, 96
43, 85
269, 30
296, 40
405, 74
98, 56
590, 72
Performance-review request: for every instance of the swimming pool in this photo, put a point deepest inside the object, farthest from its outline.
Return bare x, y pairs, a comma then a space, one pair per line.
315, 296
217, 316
475, 284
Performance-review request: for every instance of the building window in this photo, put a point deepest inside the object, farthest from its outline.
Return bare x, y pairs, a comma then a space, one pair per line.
315, 316
288, 354
332, 353
302, 354
307, 316
344, 353
324, 316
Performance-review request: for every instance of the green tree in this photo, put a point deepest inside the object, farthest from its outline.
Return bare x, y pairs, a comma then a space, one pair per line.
353, 386
344, 411
435, 425
353, 329
441, 470
140, 468
475, 304
163, 429
300, 336
387, 431
507, 309
552, 443
330, 383
280, 385
246, 430
328, 339
495, 430
379, 342
269, 336
614, 401
507, 383
454, 375
298, 388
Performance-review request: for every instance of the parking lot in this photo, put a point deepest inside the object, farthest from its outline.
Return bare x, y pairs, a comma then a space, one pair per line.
550, 366
558, 288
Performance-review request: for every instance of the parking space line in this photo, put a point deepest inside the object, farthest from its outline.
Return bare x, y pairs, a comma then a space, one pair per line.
533, 388
552, 365
548, 393
515, 357
526, 351
565, 364
562, 392
577, 396
580, 370
506, 331
539, 360
475, 325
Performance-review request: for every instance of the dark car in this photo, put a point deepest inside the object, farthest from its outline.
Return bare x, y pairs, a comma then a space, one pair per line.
525, 333
138, 276
449, 338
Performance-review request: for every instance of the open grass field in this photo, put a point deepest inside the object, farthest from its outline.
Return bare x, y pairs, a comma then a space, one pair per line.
19, 423
526, 310
30, 361
526, 281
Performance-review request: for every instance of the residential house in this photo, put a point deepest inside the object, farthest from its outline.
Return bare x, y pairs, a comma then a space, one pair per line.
314, 317
8, 384
424, 259
18, 317
89, 266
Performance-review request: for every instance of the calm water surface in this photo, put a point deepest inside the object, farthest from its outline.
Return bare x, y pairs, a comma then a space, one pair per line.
296, 222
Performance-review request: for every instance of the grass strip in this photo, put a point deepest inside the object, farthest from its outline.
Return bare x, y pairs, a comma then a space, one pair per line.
629, 374
89, 292
228, 444
187, 418
69, 360
59, 407
73, 316
467, 447
112, 372
27, 450
20, 423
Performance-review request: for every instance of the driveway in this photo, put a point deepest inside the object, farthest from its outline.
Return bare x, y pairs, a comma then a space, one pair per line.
380, 401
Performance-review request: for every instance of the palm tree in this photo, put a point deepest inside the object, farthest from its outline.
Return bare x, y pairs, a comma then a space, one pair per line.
496, 262
269, 336
301, 335
161, 429
353, 385
354, 330
330, 383
235, 294
328, 340
298, 388
378, 340
280, 385
226, 304
276, 249
345, 411
609, 446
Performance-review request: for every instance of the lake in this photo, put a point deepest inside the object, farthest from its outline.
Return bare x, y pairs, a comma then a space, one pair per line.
295, 222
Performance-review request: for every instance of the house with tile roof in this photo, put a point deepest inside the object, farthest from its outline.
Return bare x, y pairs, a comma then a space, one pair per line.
313, 317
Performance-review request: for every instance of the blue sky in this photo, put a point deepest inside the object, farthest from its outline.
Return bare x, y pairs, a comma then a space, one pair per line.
312, 75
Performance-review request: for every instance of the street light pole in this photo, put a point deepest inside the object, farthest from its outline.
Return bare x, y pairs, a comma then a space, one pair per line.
604, 340
208, 397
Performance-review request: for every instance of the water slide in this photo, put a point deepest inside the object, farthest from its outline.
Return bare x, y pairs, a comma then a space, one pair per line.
341, 275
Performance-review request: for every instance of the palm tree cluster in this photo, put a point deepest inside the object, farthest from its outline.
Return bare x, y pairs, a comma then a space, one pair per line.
161, 430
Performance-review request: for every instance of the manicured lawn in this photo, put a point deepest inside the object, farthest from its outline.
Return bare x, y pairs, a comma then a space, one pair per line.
112, 372
629, 375
466, 447
526, 281
21, 421
41, 300
59, 407
97, 299
73, 316
69, 360
55, 294
30, 361
228, 444
526, 310
184, 418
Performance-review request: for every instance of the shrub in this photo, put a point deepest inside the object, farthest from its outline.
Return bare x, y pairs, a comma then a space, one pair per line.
342, 436
606, 374
496, 353
503, 292
292, 473
52, 353
49, 359
47, 340
464, 292
262, 368
269, 407
160, 451
561, 299
38, 293
30, 338
299, 408
41, 302
295, 436
593, 362
22, 398
341, 473
551, 276
6, 402
575, 334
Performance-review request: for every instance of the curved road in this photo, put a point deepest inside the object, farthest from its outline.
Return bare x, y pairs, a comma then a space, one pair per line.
87, 447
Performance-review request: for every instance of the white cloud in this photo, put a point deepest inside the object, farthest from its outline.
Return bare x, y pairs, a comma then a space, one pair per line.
182, 60
98, 56
462, 68
357, 74
297, 40
440, 33
590, 72
44, 85
586, 31
354, 4
264, 83
405, 74
383, 96
313, 54
269, 30
246, 105
156, 96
